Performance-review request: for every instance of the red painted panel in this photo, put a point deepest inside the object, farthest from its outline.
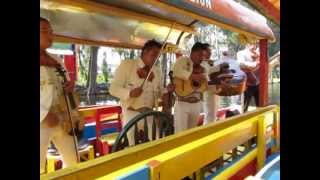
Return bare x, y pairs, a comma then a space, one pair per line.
249, 169
269, 9
70, 63
263, 96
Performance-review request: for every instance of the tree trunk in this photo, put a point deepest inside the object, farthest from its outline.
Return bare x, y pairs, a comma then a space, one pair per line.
216, 42
132, 54
164, 68
197, 37
93, 71
92, 99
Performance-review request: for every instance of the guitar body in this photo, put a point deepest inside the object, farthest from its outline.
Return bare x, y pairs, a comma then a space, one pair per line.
235, 82
185, 88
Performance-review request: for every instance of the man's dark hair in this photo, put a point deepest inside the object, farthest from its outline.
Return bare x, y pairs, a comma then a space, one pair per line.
225, 53
198, 46
206, 45
151, 44
44, 19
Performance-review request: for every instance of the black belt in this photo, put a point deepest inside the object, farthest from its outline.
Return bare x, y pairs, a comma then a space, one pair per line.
189, 99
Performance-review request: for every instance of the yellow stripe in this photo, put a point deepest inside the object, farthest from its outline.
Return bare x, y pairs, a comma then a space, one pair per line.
190, 147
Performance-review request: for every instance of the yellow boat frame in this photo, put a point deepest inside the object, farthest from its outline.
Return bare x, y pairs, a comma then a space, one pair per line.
164, 157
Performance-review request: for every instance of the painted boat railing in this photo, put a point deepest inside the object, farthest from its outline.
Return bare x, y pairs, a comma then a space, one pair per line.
179, 155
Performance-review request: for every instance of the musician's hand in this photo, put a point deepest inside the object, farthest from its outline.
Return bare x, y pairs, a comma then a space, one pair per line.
51, 119
171, 87
198, 77
224, 82
136, 92
258, 64
68, 87
142, 73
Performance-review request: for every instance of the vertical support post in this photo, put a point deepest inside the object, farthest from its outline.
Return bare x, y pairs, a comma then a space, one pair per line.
261, 142
263, 71
200, 174
234, 153
155, 167
91, 152
50, 164
276, 128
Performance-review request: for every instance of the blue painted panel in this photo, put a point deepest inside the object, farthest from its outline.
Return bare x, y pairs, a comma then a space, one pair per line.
139, 174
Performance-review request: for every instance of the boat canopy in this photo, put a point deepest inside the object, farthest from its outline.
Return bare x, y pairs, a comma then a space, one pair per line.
269, 8
129, 23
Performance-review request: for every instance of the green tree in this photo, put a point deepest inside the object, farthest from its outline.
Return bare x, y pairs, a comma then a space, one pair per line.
84, 59
273, 48
93, 67
164, 67
232, 42
104, 68
127, 53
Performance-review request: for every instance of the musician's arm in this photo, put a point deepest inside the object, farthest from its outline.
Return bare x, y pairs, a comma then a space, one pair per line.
46, 94
244, 64
214, 69
180, 71
43, 112
118, 84
60, 61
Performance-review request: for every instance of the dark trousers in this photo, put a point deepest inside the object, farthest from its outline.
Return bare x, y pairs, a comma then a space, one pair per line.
252, 91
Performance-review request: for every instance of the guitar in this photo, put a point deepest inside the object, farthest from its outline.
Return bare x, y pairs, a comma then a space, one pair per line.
229, 82
188, 87
71, 103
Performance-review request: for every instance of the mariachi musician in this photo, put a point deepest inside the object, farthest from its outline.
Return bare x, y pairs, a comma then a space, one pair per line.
190, 83
126, 85
211, 100
249, 63
57, 118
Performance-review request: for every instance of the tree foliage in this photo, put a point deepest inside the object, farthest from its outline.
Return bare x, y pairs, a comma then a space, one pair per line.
126, 53
84, 59
104, 68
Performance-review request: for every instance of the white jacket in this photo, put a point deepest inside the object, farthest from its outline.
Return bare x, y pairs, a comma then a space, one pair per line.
50, 87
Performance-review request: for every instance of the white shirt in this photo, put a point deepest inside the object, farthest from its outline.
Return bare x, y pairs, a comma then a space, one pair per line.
183, 68
126, 79
50, 87
245, 59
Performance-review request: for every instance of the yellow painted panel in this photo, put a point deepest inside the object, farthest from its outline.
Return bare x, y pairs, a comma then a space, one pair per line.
230, 171
173, 145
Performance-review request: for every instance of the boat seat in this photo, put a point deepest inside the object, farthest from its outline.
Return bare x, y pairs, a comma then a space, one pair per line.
109, 138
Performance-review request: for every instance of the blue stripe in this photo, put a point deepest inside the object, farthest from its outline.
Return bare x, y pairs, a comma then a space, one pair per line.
139, 174
90, 131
